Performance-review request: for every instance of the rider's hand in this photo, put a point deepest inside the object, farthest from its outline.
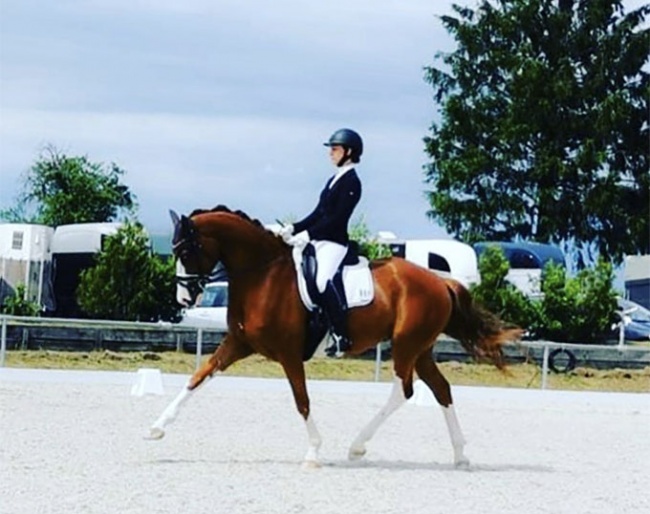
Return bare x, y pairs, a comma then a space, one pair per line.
285, 232
300, 239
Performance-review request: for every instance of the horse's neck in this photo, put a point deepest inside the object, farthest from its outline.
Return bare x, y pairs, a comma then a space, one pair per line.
244, 246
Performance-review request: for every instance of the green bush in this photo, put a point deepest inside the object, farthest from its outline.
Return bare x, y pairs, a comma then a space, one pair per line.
129, 282
368, 246
17, 305
577, 309
500, 296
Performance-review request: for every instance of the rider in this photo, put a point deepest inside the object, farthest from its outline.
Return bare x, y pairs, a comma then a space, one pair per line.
326, 227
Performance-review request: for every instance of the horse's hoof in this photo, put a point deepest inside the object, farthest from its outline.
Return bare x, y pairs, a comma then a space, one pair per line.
462, 464
356, 453
311, 464
155, 434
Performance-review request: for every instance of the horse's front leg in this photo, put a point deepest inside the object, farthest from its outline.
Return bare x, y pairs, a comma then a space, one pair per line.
229, 351
295, 372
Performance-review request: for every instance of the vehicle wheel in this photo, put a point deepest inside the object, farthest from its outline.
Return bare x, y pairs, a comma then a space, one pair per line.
561, 360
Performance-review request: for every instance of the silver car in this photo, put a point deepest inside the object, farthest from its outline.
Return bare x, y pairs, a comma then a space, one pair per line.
211, 309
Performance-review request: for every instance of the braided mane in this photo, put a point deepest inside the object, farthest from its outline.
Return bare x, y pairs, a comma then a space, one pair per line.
223, 208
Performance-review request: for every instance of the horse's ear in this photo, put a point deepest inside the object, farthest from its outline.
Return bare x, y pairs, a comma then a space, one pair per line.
174, 217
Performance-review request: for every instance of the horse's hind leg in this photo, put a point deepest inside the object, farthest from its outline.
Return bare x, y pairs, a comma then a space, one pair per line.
229, 351
395, 401
427, 370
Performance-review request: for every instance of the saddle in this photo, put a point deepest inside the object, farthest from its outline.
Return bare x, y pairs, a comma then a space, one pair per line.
353, 277
353, 282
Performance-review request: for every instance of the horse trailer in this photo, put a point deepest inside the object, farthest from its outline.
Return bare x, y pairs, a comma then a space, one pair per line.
73, 250
26, 259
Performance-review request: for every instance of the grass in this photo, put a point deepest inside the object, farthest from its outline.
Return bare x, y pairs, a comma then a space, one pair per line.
321, 368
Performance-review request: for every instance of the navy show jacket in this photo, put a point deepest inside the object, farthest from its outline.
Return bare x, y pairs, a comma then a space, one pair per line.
329, 220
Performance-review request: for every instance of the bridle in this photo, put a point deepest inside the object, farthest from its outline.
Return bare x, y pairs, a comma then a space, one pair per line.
189, 245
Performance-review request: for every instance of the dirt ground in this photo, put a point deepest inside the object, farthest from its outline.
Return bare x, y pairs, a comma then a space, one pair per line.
72, 442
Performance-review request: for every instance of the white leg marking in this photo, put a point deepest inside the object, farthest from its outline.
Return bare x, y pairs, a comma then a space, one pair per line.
457, 439
395, 401
311, 459
169, 414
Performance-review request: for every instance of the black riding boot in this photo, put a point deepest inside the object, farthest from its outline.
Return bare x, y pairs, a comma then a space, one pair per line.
335, 306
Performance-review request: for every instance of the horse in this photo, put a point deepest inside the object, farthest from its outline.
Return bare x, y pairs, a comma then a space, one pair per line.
411, 307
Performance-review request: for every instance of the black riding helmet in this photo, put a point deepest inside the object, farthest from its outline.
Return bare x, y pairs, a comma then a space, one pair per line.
349, 140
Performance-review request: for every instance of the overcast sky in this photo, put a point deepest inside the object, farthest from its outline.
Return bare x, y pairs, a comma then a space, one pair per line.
207, 102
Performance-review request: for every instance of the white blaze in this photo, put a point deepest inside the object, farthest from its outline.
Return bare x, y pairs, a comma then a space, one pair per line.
182, 294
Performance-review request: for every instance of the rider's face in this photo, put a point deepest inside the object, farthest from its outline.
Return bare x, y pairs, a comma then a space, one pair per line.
336, 154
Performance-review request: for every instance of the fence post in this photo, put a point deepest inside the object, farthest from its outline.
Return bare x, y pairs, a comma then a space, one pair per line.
199, 347
3, 342
377, 362
545, 366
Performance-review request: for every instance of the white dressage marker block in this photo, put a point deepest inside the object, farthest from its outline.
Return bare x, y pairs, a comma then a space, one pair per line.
422, 395
148, 381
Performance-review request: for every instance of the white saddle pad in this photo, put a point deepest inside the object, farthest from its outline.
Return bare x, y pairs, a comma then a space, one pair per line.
357, 282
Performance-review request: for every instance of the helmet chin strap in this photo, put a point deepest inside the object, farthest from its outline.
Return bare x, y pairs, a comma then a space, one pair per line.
345, 158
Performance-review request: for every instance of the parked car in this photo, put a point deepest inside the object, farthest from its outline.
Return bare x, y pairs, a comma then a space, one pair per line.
635, 319
211, 310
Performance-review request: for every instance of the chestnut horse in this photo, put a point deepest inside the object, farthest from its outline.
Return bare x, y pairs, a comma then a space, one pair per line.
411, 308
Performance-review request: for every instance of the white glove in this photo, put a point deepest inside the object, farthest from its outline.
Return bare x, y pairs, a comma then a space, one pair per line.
285, 232
281, 230
300, 239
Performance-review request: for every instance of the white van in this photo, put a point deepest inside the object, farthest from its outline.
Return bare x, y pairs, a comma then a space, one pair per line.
211, 310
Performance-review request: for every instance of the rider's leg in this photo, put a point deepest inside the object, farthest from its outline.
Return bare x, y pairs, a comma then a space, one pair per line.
335, 305
329, 256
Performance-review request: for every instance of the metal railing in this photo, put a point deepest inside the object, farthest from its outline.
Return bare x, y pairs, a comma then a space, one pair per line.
549, 348
24, 321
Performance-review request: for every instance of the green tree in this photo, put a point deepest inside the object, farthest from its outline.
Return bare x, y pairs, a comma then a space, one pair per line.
62, 190
544, 132
128, 281
579, 309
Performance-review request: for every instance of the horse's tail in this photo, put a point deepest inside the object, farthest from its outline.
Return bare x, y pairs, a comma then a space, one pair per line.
481, 333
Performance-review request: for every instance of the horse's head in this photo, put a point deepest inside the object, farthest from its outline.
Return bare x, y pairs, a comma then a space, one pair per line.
193, 264
205, 238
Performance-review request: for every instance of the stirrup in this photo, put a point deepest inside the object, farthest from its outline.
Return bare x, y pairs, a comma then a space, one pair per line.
339, 346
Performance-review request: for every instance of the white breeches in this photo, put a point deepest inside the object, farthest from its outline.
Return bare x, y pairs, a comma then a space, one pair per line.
328, 256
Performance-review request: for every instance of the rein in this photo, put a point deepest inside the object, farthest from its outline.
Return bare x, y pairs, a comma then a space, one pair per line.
195, 282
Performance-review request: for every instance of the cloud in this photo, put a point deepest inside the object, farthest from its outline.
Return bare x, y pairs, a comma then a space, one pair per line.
207, 102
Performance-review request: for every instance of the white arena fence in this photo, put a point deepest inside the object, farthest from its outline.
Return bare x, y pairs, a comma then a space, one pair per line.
553, 356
